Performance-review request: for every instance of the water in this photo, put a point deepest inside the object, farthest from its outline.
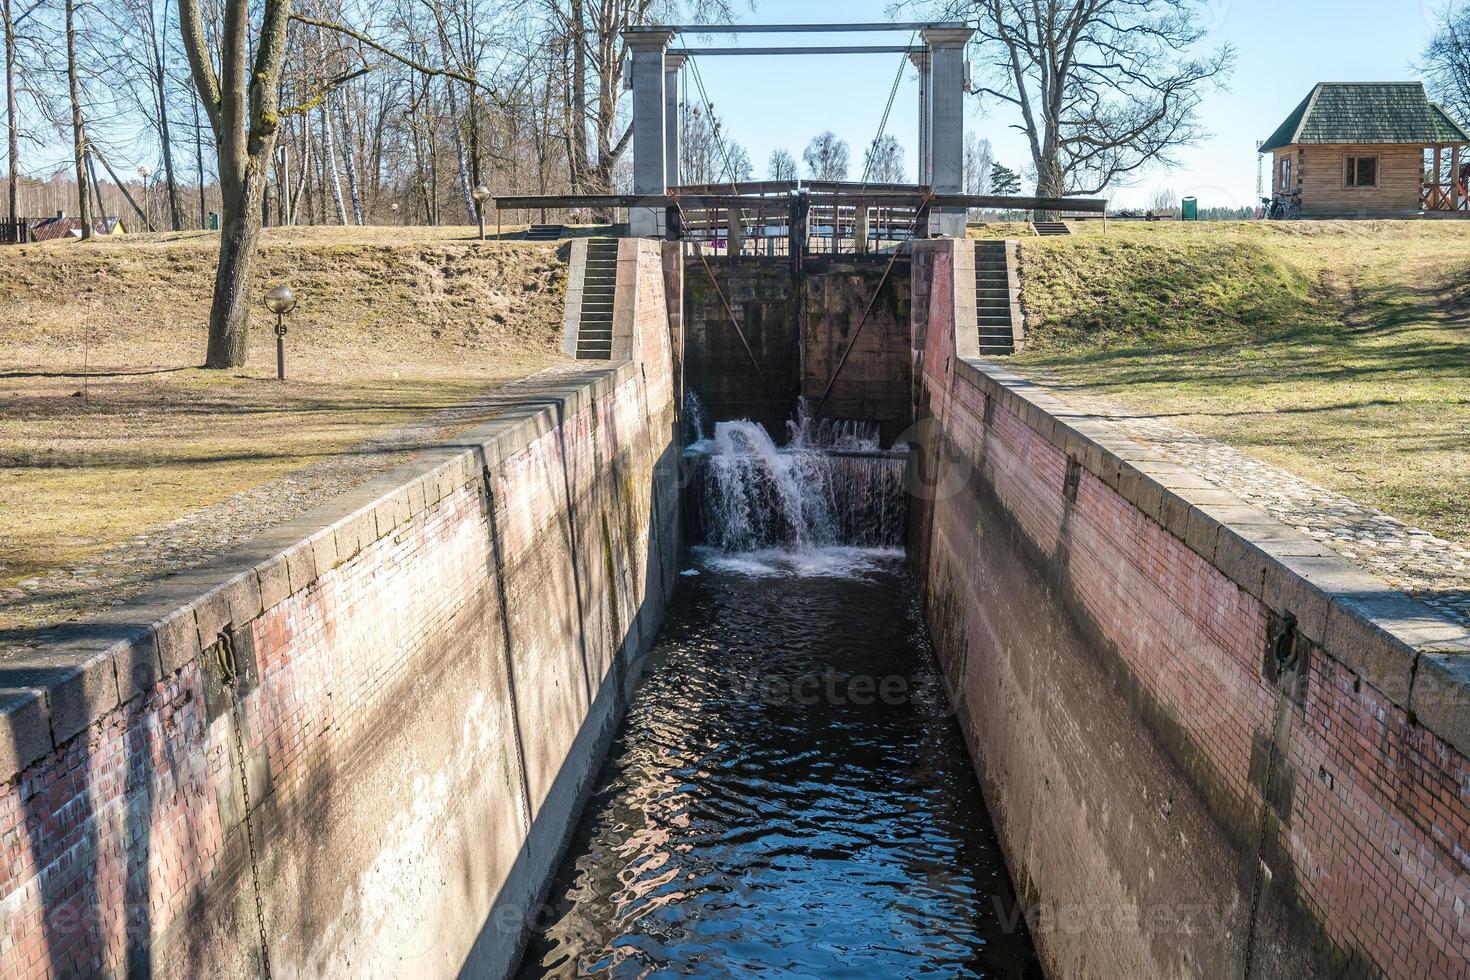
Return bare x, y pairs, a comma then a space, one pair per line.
789, 795
830, 485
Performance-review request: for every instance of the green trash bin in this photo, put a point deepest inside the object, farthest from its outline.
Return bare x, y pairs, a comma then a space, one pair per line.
1191, 209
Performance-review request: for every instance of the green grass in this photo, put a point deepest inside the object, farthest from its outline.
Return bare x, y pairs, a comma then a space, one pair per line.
1339, 351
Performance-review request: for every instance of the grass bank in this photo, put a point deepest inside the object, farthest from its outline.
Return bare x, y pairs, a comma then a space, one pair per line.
1337, 350
109, 428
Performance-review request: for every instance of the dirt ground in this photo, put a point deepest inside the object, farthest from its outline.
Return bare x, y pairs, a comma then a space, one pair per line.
109, 430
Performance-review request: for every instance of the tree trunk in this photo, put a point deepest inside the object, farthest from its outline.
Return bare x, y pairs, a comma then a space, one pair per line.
349, 158
229, 316
303, 168
579, 98
465, 187
78, 128
329, 144
10, 112
199, 161
175, 213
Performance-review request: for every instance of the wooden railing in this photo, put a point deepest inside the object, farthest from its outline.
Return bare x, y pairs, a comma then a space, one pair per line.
1445, 183
777, 218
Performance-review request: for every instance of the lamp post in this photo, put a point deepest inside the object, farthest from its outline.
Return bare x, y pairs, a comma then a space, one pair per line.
481, 194
280, 301
144, 172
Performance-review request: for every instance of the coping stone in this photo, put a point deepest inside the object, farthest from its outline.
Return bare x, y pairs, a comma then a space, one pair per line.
1440, 700
25, 729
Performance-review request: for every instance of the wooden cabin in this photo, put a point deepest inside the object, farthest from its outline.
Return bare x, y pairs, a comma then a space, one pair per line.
63, 227
1369, 150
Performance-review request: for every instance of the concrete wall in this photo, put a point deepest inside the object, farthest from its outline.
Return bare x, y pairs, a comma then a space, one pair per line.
798, 328
1175, 798
425, 676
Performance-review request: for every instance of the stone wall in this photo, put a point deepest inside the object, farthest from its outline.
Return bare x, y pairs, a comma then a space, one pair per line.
763, 383
358, 747
1211, 747
876, 382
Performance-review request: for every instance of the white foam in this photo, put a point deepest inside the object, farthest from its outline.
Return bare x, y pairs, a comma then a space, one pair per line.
828, 562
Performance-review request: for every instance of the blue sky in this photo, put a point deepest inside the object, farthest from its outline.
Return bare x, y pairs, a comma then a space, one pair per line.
1284, 47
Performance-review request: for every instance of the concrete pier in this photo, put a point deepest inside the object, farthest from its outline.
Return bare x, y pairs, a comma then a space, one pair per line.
649, 75
946, 129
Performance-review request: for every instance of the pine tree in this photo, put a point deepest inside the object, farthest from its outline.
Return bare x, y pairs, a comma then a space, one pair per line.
1004, 180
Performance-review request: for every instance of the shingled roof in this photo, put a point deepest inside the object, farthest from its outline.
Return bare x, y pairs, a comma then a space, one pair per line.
1367, 112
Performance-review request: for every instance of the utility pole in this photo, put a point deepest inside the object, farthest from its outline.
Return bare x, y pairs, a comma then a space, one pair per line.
1260, 172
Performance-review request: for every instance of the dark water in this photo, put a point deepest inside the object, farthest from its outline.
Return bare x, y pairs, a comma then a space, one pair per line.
789, 795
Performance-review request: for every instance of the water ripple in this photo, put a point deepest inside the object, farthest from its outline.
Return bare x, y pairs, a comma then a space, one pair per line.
766, 812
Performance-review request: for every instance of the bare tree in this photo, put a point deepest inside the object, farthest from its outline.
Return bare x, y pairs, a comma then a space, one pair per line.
78, 123
240, 99
591, 31
12, 109
883, 161
826, 157
1446, 62
979, 158
782, 166
708, 157
1103, 87
141, 63
1164, 200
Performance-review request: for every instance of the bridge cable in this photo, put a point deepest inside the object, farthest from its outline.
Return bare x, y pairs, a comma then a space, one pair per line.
709, 109
888, 110
729, 310
704, 261
922, 212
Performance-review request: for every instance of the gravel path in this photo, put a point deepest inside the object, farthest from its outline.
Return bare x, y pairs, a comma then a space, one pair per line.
1431, 569
118, 574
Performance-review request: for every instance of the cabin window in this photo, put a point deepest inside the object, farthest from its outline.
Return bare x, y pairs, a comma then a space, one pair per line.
1362, 171
1286, 173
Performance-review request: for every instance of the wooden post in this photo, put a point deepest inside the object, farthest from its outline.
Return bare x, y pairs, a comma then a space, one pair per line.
1431, 198
733, 237
1456, 193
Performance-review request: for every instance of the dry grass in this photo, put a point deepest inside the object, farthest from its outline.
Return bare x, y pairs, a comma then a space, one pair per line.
108, 427
1337, 350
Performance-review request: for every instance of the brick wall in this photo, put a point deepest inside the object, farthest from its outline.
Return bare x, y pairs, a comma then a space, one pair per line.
422, 680
1173, 799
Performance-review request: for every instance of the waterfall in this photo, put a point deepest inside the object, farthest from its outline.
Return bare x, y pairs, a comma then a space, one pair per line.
830, 486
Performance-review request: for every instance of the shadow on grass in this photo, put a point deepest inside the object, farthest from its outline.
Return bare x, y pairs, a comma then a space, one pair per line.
1391, 330
95, 375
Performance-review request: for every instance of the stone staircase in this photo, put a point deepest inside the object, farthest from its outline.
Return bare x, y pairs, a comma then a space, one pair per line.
993, 299
1047, 229
599, 284
545, 233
